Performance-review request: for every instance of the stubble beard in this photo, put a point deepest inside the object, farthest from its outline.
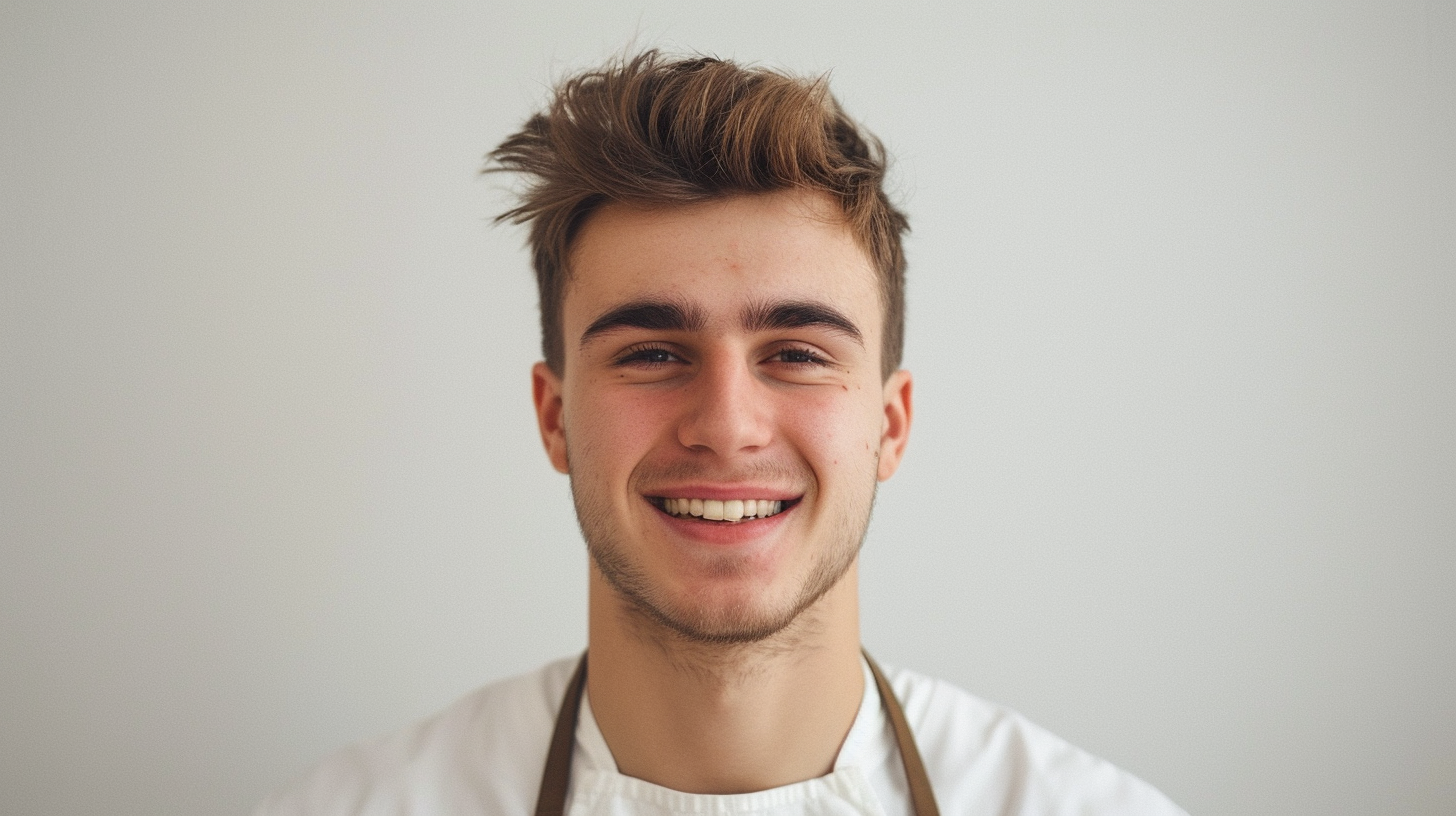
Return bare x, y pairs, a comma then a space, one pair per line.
740, 623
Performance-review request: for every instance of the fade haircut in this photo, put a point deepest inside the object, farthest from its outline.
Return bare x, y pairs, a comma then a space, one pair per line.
652, 131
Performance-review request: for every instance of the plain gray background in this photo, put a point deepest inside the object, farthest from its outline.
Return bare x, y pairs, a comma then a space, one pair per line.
1183, 288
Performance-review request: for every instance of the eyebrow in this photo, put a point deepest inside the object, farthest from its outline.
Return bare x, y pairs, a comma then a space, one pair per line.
671, 315
797, 314
659, 315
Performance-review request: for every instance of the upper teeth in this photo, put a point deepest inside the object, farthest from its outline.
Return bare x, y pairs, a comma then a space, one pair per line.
715, 510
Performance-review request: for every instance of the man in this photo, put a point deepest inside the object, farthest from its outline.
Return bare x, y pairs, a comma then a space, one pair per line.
721, 284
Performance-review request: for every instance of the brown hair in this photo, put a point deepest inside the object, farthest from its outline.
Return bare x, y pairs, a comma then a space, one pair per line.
650, 130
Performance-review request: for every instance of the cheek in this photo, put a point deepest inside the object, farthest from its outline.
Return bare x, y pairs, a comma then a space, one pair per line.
612, 429
833, 429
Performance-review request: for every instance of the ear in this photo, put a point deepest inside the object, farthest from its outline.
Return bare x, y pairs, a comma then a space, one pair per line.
896, 429
546, 392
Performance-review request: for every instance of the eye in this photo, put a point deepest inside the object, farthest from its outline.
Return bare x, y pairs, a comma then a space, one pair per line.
647, 357
798, 356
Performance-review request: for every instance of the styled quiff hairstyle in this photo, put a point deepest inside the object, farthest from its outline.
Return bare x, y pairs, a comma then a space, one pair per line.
653, 131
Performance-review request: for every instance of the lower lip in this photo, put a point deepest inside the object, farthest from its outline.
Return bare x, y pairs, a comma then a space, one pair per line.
724, 533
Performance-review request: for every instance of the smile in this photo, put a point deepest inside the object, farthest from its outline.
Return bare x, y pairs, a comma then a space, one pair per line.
716, 510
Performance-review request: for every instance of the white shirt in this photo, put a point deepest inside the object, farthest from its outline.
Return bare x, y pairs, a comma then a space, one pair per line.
484, 755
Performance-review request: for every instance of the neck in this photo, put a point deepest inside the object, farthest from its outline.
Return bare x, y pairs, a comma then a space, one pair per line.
725, 718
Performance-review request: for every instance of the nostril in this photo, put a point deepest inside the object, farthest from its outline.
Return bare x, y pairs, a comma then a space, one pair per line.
725, 420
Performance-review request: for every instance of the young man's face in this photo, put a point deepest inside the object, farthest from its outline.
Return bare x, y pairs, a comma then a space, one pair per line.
723, 359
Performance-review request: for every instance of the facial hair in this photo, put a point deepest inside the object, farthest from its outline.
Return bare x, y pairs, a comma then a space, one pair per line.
743, 622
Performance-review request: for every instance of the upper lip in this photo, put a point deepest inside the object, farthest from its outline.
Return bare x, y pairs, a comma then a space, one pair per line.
724, 492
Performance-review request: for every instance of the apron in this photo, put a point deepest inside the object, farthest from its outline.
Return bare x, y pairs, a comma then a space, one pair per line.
557, 776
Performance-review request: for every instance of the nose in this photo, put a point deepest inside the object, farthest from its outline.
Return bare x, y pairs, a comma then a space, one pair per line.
728, 409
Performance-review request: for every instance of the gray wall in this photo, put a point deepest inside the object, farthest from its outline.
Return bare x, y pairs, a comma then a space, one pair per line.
1183, 295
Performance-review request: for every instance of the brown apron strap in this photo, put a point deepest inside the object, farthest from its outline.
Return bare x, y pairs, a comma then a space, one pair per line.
922, 798
557, 776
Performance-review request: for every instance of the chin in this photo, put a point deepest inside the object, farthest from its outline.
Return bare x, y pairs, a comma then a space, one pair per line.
745, 598
721, 609
748, 620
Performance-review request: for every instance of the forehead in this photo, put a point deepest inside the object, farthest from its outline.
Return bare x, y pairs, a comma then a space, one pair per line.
720, 254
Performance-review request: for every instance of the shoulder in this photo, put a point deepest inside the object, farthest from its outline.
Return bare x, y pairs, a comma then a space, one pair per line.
982, 757
481, 755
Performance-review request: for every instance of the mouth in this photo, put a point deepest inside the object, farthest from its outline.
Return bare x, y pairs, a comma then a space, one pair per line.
726, 511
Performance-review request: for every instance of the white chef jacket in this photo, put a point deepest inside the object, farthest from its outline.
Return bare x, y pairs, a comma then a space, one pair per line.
484, 756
